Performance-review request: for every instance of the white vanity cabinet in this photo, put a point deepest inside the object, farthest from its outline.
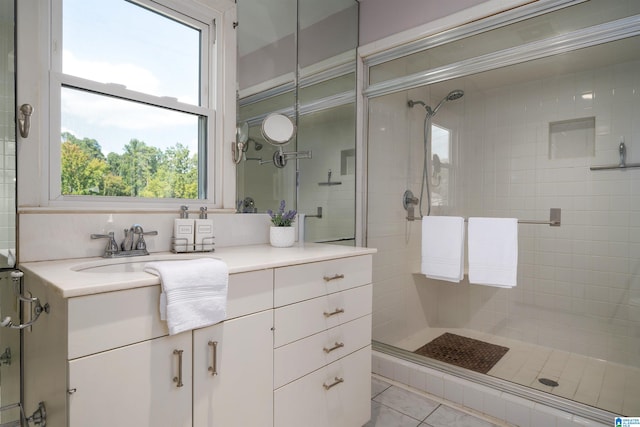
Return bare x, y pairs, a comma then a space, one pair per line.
322, 343
106, 360
294, 350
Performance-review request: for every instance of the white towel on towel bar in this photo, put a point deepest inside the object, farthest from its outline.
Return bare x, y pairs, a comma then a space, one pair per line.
493, 251
194, 292
443, 247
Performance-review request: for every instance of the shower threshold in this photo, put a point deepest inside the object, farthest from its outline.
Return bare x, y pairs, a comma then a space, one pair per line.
501, 385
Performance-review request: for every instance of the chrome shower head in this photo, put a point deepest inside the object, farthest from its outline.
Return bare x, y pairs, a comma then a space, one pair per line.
451, 96
455, 94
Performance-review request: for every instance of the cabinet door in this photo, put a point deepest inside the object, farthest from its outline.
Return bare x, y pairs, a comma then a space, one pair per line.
136, 385
233, 378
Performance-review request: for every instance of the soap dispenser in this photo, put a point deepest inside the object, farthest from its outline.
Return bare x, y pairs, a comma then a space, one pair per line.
183, 232
204, 231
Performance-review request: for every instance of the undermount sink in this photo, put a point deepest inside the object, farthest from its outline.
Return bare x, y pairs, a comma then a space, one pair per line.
130, 265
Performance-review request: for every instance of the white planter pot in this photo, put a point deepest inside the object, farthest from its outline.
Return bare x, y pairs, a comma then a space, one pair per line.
282, 237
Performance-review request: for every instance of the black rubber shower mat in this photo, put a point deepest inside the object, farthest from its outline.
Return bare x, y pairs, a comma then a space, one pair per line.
465, 352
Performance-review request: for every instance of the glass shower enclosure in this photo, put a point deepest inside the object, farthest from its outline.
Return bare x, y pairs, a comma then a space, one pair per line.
548, 120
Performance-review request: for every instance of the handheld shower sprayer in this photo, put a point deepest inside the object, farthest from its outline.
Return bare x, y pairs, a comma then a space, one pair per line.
426, 177
451, 96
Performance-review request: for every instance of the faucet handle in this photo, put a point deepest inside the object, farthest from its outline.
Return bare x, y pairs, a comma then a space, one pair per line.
112, 245
141, 244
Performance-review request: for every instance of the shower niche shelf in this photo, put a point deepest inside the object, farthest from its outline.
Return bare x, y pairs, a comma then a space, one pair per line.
573, 138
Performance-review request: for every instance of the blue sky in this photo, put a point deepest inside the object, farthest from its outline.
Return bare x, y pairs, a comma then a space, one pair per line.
115, 41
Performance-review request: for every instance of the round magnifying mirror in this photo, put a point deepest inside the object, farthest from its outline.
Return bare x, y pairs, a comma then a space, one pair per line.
278, 129
242, 132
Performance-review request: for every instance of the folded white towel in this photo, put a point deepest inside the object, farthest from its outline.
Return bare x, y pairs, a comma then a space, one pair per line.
443, 247
493, 251
194, 292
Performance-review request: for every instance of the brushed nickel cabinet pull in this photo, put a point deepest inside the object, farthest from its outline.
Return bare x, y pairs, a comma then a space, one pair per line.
337, 381
214, 362
336, 346
178, 379
333, 313
334, 277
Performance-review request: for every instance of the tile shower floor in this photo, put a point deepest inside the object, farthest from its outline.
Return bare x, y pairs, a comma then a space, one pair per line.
394, 406
588, 380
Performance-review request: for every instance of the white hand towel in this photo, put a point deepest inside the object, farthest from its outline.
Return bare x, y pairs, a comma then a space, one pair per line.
443, 247
194, 292
493, 251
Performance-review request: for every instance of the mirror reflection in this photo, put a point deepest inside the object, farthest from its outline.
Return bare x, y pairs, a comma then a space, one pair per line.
277, 129
313, 83
7, 136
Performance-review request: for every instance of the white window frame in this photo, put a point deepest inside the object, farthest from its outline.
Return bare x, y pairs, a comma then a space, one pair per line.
41, 80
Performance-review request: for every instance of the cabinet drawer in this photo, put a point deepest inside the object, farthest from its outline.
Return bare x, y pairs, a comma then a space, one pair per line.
338, 395
296, 321
306, 281
113, 319
249, 292
297, 359
104, 321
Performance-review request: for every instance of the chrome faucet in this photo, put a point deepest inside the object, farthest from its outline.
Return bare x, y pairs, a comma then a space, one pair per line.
127, 248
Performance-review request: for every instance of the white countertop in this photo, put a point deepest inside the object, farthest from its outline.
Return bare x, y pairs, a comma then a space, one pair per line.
66, 281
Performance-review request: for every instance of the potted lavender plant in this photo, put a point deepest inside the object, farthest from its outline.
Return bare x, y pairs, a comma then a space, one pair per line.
282, 234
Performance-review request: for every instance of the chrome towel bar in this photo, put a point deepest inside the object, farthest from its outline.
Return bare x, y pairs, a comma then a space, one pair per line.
555, 215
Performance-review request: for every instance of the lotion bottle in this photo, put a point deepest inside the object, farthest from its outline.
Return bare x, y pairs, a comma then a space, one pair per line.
183, 232
204, 231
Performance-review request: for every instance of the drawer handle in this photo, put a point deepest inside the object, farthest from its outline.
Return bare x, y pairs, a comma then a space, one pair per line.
337, 381
334, 277
214, 362
335, 347
178, 379
333, 313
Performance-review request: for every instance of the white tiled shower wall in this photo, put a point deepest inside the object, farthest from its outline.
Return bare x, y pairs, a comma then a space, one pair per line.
578, 284
7, 139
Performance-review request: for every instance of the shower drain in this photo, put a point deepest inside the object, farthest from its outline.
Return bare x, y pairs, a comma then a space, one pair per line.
548, 382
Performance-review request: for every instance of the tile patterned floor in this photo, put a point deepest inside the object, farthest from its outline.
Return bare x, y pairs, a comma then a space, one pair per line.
393, 406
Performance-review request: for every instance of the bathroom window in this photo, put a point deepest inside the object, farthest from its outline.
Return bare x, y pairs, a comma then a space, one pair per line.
440, 165
134, 83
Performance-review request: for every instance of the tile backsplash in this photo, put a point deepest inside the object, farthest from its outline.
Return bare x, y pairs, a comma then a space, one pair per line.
50, 236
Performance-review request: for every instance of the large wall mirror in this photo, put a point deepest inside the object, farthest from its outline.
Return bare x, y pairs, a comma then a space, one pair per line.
298, 58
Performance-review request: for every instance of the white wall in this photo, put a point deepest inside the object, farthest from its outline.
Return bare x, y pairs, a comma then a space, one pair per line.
383, 18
